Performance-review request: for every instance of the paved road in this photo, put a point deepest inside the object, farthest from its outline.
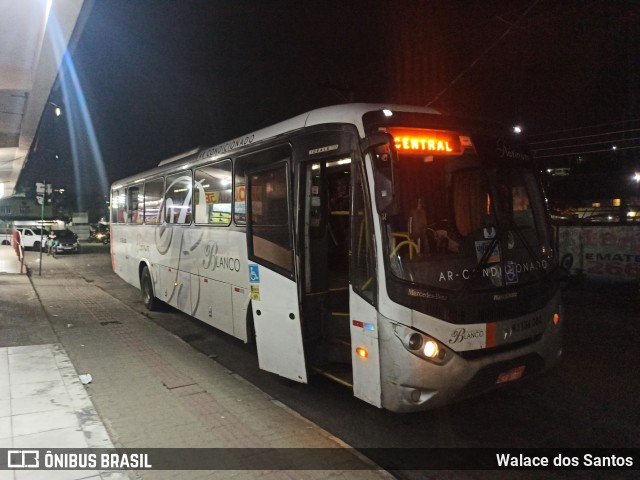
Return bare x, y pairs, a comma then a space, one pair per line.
590, 401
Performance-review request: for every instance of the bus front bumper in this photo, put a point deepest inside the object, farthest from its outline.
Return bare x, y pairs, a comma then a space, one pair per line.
410, 383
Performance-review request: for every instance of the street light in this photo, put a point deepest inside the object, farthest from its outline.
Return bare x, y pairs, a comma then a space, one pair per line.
56, 109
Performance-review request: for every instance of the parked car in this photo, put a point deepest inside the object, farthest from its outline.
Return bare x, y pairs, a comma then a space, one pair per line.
33, 237
66, 241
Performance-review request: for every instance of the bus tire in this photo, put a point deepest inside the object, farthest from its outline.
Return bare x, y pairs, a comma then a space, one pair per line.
146, 287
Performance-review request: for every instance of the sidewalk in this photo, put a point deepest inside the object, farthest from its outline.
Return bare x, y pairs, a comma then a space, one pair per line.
149, 389
9, 261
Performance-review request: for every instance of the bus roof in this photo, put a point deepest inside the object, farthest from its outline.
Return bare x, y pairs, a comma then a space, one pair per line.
351, 113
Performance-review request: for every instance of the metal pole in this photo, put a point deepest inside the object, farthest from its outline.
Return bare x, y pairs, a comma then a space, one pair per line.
44, 199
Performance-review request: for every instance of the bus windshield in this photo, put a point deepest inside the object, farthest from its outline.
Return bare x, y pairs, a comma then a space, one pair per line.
465, 220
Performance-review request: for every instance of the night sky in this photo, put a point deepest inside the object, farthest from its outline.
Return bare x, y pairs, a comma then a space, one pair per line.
150, 79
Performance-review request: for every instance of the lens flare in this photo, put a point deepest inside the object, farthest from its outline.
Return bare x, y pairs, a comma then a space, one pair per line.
85, 149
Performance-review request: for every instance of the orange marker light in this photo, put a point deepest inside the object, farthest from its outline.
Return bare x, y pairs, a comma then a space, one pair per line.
556, 319
362, 352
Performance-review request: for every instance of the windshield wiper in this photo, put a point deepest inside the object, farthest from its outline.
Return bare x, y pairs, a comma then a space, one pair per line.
482, 263
515, 227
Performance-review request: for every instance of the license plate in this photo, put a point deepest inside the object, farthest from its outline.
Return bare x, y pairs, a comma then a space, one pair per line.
511, 375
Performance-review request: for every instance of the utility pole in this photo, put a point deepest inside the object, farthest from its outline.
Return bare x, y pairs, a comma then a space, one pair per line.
44, 199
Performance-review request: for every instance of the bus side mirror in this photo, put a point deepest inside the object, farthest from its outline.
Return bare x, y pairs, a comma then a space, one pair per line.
382, 154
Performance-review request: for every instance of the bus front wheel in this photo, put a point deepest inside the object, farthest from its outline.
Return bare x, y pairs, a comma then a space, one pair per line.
146, 286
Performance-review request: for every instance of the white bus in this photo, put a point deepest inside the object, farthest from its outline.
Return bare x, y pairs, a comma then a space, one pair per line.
401, 252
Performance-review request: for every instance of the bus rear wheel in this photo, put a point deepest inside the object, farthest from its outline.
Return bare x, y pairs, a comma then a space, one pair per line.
146, 287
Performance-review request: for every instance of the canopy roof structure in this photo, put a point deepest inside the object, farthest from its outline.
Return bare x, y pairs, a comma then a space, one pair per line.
34, 35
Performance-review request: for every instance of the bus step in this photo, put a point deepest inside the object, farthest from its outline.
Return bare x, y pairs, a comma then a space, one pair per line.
343, 378
338, 325
339, 298
338, 289
333, 351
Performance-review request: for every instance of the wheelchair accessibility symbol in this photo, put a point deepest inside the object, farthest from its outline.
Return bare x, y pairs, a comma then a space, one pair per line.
254, 274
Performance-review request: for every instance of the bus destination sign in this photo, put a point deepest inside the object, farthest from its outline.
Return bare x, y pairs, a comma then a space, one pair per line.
422, 141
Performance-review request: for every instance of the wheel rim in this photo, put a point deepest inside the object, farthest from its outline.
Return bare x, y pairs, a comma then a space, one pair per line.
147, 293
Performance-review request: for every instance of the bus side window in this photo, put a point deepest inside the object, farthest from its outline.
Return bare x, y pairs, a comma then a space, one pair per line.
249, 162
240, 194
363, 263
270, 231
177, 198
212, 194
115, 196
240, 202
133, 205
121, 205
153, 191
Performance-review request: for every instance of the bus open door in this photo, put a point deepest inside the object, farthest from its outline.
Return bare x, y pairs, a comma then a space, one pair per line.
272, 276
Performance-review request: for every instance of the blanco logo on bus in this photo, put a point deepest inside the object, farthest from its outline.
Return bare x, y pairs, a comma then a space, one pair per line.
214, 261
460, 335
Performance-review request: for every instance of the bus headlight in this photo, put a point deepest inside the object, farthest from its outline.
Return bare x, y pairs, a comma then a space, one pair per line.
421, 345
431, 349
415, 341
